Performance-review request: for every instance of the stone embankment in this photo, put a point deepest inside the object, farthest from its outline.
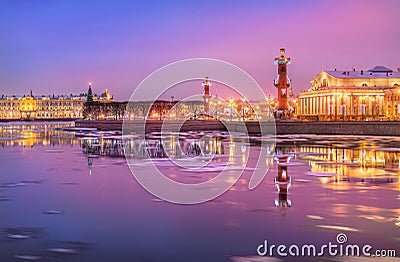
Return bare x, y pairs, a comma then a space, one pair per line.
382, 128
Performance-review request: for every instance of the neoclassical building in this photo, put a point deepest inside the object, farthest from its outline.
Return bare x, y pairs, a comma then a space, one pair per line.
46, 107
352, 95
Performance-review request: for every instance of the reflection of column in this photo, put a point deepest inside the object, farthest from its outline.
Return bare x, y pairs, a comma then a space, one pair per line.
231, 152
90, 163
283, 182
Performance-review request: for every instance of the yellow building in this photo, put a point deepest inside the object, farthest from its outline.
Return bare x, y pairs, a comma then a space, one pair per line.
46, 107
352, 95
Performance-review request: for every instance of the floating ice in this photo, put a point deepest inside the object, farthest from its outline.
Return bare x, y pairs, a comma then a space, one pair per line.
78, 244
291, 164
339, 228
13, 184
3, 198
68, 183
22, 233
27, 257
313, 217
32, 181
302, 180
53, 212
16, 236
54, 151
320, 174
62, 250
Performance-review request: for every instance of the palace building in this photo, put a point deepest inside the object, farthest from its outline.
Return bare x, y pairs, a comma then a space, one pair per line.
30, 107
352, 95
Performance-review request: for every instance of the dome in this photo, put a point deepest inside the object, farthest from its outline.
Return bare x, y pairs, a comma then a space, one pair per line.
380, 69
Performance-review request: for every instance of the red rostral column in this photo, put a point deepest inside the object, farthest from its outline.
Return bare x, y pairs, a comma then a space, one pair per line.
206, 96
282, 82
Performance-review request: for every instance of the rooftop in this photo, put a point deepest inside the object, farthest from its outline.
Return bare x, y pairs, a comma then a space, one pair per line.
376, 72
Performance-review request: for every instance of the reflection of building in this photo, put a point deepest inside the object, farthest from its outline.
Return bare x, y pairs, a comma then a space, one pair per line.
37, 134
352, 95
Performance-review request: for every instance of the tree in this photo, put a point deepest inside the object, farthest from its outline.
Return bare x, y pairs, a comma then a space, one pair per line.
89, 97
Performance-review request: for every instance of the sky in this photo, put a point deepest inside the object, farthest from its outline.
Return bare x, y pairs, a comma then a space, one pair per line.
59, 46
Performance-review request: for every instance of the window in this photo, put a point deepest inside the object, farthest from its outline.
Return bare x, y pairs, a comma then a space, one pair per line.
363, 109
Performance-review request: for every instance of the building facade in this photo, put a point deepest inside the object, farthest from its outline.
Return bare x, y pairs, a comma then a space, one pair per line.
30, 107
352, 95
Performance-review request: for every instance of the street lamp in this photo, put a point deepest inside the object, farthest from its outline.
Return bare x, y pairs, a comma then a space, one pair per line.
243, 111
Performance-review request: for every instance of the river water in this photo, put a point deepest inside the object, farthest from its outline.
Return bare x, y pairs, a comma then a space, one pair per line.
70, 196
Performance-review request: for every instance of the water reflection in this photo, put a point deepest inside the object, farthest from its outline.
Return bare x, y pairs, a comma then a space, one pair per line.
360, 197
168, 145
26, 134
373, 160
283, 181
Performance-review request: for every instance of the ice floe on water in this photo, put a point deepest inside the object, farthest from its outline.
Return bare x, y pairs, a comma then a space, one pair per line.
254, 259
77, 244
53, 151
314, 217
69, 183
338, 228
22, 233
28, 257
320, 174
4, 198
60, 250
299, 180
291, 164
53, 212
18, 236
374, 217
11, 185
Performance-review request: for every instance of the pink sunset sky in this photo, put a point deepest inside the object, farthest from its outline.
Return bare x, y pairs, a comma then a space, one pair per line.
59, 46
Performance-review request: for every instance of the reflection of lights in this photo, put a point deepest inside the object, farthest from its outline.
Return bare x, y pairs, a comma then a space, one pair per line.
231, 180
397, 222
244, 160
324, 180
243, 149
